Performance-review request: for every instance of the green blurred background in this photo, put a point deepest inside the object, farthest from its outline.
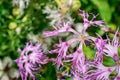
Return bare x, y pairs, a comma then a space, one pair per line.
17, 28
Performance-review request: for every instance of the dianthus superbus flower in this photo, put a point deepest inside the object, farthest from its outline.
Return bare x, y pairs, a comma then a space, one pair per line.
99, 45
79, 64
87, 23
111, 49
31, 58
62, 50
100, 73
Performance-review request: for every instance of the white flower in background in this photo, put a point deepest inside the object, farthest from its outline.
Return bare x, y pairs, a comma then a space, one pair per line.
55, 16
32, 37
22, 4
78, 27
46, 42
7, 72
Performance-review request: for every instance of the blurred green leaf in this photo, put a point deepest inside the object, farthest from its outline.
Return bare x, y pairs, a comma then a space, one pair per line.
48, 73
89, 53
108, 61
104, 9
119, 51
69, 78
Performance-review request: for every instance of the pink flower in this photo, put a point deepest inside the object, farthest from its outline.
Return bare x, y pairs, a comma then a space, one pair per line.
100, 73
87, 23
31, 56
63, 27
99, 45
79, 64
78, 59
62, 49
111, 49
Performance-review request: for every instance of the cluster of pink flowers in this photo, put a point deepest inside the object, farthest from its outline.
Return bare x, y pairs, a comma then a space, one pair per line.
81, 68
30, 60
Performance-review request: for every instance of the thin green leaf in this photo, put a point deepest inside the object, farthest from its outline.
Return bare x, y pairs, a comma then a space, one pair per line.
104, 9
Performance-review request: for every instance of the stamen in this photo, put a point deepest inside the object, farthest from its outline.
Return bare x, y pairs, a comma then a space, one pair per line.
82, 38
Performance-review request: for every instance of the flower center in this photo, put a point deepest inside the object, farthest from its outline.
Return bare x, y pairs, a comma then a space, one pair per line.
82, 38
118, 63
